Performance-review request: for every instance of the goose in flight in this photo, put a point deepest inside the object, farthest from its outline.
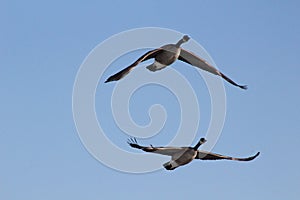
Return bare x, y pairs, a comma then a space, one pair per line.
168, 54
184, 155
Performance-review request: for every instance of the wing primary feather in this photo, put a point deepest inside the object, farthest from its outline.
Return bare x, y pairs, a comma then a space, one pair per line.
196, 61
245, 87
247, 159
124, 72
169, 151
213, 156
133, 143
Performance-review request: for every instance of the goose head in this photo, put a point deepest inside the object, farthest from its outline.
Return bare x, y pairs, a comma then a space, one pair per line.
201, 141
184, 39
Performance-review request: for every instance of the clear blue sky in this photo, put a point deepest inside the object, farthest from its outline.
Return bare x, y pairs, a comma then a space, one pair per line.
42, 47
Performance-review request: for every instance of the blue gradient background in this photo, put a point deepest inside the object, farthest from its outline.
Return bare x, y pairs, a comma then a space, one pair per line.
43, 45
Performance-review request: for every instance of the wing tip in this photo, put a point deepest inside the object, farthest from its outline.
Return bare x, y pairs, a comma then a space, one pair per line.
244, 87
257, 154
252, 157
133, 143
110, 79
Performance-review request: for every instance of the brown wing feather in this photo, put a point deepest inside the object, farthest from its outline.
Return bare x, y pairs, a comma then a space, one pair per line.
168, 151
124, 72
203, 155
192, 59
196, 61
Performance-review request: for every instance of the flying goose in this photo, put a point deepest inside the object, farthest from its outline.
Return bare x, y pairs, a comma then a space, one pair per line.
168, 54
184, 155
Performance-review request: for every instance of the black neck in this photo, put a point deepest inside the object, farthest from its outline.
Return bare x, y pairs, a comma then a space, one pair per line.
180, 42
197, 146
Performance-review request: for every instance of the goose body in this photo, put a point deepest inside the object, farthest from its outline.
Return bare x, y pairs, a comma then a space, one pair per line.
165, 58
168, 54
183, 155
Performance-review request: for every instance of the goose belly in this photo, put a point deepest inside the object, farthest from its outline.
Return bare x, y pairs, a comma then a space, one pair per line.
167, 57
185, 158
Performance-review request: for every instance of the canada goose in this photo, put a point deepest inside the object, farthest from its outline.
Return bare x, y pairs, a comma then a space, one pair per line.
184, 155
168, 54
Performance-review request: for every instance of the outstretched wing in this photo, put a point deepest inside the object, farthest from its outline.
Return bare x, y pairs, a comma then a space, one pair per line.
196, 61
124, 72
168, 151
203, 155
